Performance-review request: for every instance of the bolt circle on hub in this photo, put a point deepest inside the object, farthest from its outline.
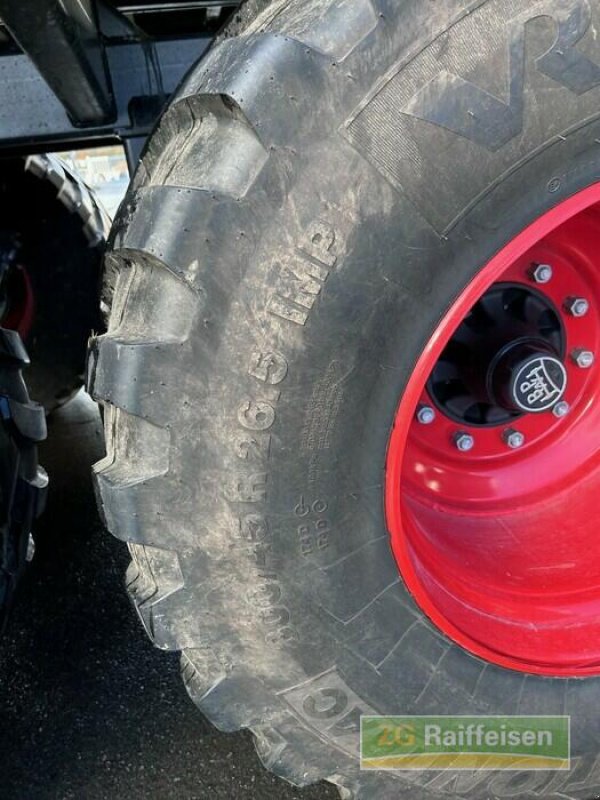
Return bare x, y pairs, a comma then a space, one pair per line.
503, 360
479, 501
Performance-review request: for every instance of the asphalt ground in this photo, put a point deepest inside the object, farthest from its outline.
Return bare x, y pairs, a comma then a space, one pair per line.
88, 708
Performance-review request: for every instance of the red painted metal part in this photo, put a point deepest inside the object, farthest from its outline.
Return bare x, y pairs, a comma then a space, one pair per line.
500, 547
21, 308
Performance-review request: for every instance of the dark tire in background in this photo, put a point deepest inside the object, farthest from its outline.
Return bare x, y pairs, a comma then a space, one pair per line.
52, 237
23, 482
303, 218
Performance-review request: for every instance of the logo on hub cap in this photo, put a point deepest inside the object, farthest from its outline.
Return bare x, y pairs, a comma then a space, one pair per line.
539, 384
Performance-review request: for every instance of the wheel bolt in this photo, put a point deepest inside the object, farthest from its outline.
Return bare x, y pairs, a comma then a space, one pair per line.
541, 273
561, 409
583, 358
514, 439
425, 415
464, 441
577, 306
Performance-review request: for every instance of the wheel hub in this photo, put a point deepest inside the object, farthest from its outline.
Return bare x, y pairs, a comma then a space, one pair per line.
493, 469
512, 337
535, 380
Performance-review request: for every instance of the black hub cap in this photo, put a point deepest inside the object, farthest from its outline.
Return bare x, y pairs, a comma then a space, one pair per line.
504, 360
530, 382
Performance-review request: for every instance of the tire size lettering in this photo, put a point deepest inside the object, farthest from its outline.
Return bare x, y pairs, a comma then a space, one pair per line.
301, 275
299, 282
269, 367
256, 415
253, 528
253, 448
247, 488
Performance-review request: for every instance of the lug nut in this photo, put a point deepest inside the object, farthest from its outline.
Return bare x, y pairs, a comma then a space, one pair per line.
583, 358
577, 306
561, 409
514, 439
425, 415
464, 441
541, 273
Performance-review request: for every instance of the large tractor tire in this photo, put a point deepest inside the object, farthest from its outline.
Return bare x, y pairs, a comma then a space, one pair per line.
52, 238
351, 377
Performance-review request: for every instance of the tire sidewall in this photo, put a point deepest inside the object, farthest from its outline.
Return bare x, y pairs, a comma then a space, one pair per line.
288, 466
347, 370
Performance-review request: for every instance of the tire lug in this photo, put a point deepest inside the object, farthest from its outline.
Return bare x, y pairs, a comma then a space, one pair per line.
513, 439
577, 306
561, 409
425, 415
583, 358
541, 273
464, 441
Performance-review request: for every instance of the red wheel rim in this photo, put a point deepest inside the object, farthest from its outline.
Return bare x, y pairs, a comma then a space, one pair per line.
21, 307
498, 544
